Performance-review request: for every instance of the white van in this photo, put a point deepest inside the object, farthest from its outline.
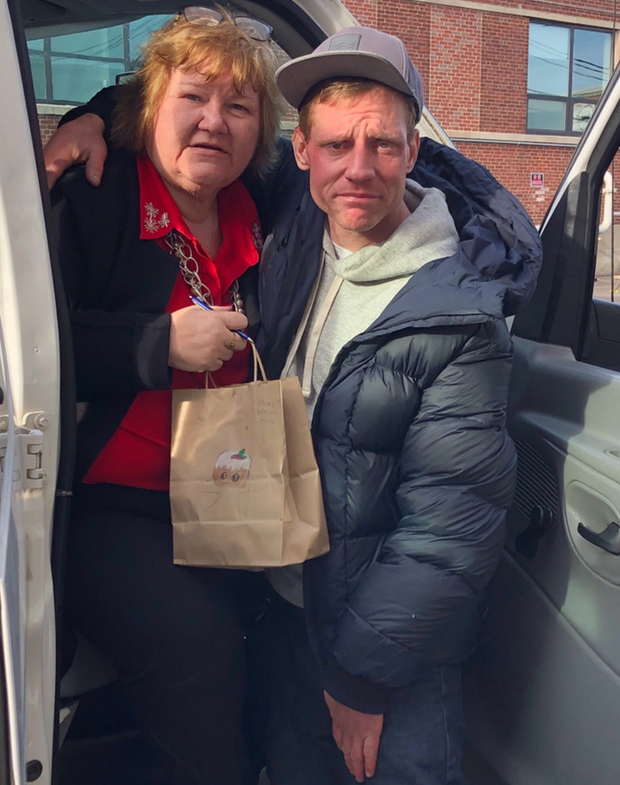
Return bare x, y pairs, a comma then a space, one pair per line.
543, 692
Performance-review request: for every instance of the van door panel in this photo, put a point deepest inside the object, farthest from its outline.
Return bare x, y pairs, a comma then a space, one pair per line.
30, 371
546, 705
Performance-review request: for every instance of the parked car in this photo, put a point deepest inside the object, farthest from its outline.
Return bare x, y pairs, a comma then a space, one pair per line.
543, 692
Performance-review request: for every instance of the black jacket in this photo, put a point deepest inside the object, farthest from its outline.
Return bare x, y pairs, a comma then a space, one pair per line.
409, 431
117, 287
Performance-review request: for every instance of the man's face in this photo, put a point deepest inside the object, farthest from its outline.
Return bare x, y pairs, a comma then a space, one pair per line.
358, 157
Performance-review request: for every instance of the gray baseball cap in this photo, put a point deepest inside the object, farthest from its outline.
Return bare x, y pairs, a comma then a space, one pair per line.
353, 52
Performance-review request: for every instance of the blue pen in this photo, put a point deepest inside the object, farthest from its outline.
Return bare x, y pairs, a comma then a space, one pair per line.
207, 307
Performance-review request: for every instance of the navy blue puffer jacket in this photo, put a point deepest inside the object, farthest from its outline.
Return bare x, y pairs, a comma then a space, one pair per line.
410, 435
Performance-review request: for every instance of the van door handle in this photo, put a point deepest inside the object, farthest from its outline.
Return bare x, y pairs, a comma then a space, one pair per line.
608, 540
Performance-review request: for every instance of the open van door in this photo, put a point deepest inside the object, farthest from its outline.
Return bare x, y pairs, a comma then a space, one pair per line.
29, 428
544, 691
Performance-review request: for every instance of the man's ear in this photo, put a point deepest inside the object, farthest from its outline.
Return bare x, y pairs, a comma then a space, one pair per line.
414, 148
300, 148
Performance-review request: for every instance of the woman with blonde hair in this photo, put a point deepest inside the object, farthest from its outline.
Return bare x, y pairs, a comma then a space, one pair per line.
170, 224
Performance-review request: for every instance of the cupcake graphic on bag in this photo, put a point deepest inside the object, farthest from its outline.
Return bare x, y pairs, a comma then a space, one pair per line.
232, 469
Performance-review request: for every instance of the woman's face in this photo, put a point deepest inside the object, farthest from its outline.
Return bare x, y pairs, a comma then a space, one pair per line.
205, 133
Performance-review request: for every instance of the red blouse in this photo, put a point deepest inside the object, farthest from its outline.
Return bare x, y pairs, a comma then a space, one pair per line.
138, 454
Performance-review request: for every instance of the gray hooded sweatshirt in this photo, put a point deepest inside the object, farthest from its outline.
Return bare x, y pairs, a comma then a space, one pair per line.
352, 291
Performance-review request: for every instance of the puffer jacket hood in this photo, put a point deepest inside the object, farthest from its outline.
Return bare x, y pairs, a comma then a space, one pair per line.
500, 252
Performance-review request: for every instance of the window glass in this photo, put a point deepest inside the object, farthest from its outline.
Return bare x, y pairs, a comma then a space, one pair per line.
582, 114
83, 63
572, 65
78, 80
549, 57
37, 66
546, 115
140, 31
93, 43
607, 275
591, 63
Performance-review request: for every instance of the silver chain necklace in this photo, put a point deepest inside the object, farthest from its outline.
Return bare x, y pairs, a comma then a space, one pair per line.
188, 266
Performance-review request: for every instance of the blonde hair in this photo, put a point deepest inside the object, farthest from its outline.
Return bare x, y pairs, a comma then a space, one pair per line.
329, 91
211, 51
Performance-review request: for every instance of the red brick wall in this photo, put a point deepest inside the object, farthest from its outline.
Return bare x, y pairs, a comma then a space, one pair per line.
47, 125
512, 165
592, 9
411, 22
474, 66
503, 95
365, 11
454, 83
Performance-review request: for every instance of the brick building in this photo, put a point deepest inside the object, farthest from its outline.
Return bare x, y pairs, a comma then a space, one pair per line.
492, 70
513, 82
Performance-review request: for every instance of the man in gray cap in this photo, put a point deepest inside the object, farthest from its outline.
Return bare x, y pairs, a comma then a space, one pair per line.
393, 318
387, 296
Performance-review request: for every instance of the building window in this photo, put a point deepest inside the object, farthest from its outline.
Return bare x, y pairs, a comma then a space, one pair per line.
568, 69
69, 69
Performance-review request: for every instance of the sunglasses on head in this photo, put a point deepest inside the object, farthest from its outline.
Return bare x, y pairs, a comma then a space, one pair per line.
208, 17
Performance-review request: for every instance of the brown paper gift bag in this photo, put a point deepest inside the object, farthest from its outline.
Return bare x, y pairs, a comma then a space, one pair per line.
245, 489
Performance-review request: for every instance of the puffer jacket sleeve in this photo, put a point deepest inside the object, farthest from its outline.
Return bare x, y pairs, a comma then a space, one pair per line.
417, 604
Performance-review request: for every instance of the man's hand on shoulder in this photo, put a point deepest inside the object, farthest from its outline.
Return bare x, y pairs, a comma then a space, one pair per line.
76, 142
357, 736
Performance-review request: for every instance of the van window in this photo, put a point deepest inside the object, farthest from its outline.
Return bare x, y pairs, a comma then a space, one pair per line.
68, 69
607, 275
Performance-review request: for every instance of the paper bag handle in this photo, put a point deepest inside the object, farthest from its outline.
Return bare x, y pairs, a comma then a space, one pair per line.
258, 363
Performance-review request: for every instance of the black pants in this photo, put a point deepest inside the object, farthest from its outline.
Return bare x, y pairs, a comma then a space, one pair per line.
175, 633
